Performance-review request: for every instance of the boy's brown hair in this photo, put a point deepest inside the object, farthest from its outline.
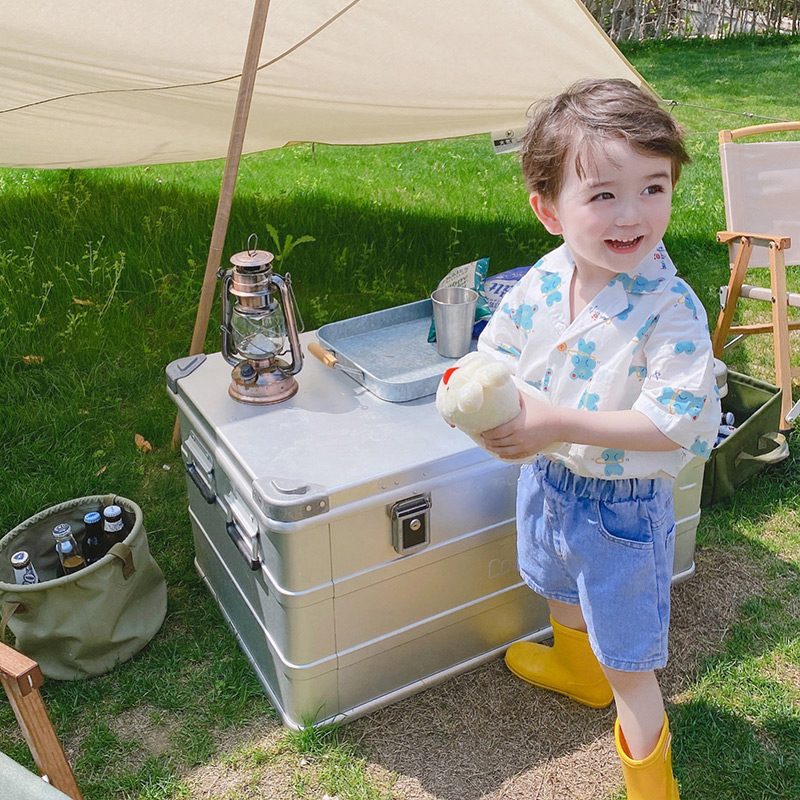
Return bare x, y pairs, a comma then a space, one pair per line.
586, 115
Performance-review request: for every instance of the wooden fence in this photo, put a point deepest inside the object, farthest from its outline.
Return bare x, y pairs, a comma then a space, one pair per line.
655, 19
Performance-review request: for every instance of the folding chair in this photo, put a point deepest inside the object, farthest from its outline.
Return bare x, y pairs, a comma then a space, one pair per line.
761, 187
21, 679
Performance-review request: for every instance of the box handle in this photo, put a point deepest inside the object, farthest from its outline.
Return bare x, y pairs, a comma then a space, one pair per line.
774, 456
208, 494
238, 538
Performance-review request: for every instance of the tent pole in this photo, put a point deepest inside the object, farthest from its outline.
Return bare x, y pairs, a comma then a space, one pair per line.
232, 159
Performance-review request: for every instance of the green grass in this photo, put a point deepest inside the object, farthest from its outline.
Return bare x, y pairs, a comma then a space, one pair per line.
100, 273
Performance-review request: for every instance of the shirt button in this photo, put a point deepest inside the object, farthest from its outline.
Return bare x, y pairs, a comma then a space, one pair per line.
562, 347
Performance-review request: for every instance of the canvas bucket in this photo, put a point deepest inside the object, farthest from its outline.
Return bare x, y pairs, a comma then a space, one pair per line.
81, 625
755, 444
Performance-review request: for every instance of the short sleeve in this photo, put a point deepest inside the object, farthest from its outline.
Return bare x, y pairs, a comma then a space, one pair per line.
679, 394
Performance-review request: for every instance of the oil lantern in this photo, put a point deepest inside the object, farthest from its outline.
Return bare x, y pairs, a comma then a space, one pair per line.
259, 328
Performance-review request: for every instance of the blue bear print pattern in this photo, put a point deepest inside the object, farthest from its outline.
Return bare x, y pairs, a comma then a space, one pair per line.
648, 323
550, 288
685, 297
685, 347
700, 448
623, 315
612, 459
682, 401
588, 401
583, 361
543, 384
522, 317
639, 371
637, 284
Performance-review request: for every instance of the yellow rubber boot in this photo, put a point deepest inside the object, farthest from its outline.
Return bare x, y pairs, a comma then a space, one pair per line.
651, 778
568, 667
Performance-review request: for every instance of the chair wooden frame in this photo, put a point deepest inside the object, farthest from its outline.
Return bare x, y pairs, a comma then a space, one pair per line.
777, 294
21, 678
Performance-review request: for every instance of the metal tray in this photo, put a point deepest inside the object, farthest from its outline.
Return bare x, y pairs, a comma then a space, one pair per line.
388, 351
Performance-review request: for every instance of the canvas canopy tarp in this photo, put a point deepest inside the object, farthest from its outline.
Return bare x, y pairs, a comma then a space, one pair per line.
84, 84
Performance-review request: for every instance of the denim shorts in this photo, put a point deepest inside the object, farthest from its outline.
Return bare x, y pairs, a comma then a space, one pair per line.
606, 545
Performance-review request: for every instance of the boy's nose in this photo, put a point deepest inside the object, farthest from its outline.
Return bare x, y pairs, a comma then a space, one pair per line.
628, 213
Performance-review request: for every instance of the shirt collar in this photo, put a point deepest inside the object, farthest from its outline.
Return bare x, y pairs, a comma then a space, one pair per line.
652, 274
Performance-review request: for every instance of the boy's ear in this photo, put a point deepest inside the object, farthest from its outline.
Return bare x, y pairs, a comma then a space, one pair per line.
544, 211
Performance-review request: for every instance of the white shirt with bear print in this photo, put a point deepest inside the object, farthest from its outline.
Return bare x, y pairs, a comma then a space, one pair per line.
643, 343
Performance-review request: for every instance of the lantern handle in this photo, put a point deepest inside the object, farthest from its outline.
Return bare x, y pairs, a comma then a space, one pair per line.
227, 347
251, 251
284, 286
302, 326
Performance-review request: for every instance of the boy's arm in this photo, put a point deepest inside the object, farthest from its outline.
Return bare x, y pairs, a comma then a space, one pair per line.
539, 425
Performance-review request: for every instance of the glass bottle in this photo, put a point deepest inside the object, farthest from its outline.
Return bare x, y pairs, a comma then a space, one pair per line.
24, 573
67, 548
93, 545
113, 526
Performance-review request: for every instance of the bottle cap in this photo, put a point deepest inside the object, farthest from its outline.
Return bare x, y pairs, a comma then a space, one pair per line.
20, 559
112, 512
92, 517
62, 529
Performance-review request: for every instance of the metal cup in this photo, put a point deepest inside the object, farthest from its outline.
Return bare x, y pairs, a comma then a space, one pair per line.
453, 317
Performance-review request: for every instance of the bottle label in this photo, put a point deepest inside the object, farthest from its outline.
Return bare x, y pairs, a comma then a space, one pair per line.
26, 576
114, 527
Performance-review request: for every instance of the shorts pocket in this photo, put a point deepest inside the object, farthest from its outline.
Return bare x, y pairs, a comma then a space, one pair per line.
626, 523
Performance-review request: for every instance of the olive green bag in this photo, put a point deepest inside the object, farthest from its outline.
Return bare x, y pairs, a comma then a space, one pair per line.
81, 625
755, 444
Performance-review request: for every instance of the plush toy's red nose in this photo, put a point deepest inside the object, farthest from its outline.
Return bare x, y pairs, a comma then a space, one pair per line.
447, 374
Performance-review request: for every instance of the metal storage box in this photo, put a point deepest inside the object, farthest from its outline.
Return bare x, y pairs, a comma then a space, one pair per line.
359, 549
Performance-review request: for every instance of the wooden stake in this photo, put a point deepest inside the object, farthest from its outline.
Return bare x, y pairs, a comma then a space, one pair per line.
235, 145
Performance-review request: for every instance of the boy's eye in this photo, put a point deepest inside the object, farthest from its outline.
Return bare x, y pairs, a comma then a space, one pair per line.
603, 196
656, 188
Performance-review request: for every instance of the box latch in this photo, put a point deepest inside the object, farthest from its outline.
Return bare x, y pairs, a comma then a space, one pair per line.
411, 530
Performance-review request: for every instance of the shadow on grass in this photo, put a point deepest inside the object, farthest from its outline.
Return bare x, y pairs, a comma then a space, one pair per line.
366, 255
486, 735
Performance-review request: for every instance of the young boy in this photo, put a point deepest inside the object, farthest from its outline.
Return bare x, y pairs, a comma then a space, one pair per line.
620, 345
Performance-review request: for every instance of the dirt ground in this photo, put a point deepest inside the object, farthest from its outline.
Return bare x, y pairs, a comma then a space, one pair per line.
486, 735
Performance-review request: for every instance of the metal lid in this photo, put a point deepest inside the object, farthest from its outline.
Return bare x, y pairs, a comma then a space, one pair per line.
111, 512
62, 529
20, 559
252, 259
91, 517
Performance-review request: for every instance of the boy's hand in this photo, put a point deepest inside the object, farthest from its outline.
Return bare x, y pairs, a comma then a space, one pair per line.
533, 429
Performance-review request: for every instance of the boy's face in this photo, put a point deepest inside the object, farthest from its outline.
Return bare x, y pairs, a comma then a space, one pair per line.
614, 215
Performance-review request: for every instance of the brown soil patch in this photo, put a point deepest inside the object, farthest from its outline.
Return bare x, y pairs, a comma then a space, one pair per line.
231, 771
486, 735
149, 728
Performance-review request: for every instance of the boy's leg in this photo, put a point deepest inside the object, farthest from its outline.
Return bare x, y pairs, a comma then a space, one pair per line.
640, 709
642, 736
568, 667
570, 616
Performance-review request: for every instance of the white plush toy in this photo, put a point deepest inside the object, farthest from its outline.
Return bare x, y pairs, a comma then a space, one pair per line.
480, 393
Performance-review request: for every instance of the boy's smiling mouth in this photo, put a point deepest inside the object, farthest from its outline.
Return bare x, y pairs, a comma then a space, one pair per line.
624, 245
